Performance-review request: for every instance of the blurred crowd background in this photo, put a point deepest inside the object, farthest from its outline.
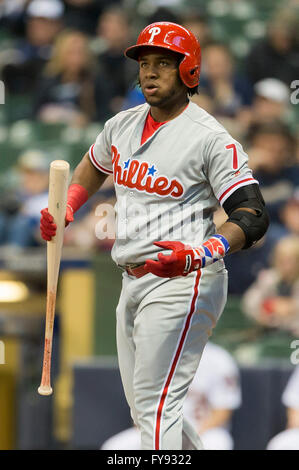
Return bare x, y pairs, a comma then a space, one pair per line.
63, 74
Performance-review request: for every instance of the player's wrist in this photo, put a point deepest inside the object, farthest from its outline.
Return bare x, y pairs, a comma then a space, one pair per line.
214, 249
77, 195
70, 207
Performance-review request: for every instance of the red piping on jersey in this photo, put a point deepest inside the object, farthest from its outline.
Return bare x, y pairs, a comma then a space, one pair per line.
174, 362
233, 185
97, 164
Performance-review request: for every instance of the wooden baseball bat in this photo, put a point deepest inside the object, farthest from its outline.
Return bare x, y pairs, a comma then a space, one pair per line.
58, 185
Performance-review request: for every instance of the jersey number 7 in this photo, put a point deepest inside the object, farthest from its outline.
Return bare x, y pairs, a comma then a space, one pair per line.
235, 155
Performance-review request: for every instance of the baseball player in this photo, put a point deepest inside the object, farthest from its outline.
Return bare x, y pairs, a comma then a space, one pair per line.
172, 164
289, 438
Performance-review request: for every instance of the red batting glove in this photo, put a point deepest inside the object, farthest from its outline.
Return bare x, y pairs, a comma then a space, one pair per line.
184, 259
77, 195
47, 225
179, 263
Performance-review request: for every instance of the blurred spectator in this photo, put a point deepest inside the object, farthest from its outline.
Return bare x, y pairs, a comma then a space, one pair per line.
212, 397
11, 13
113, 37
289, 439
198, 24
285, 440
271, 157
244, 266
288, 224
12, 7
223, 92
273, 299
19, 226
129, 439
229, 91
289, 214
272, 99
66, 92
82, 15
297, 148
26, 61
278, 52
163, 11
271, 102
134, 97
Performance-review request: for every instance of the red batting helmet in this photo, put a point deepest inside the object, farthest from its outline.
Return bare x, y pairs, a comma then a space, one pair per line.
175, 38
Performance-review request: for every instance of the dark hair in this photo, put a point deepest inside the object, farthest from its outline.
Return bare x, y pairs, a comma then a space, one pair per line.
193, 91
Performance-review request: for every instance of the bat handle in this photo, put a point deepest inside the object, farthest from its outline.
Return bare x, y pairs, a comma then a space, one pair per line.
45, 386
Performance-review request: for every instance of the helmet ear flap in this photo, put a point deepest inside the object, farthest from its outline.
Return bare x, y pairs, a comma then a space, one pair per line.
189, 72
194, 70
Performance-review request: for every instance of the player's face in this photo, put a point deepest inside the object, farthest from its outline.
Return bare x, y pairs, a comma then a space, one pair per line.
159, 77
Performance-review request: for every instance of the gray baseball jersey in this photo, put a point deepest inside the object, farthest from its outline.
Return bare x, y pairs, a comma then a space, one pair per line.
167, 188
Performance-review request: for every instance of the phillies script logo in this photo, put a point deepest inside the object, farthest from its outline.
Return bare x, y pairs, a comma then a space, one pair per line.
140, 176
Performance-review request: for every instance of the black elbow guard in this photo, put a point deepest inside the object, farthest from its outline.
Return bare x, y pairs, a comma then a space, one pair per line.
255, 225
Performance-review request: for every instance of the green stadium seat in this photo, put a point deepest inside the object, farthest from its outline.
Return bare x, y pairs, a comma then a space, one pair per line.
245, 339
21, 133
17, 107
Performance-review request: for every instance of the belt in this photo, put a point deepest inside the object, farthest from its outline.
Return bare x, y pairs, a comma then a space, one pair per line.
137, 271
